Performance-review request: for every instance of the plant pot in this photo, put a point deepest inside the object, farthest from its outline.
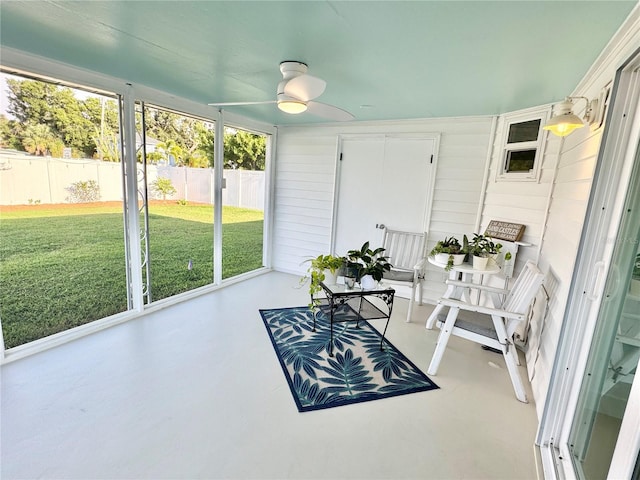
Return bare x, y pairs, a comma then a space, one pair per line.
442, 258
350, 282
480, 263
367, 282
330, 278
458, 258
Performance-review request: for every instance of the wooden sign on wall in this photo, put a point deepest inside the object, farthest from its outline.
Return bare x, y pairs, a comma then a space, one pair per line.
504, 230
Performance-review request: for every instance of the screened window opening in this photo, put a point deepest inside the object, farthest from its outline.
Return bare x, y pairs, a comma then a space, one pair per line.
62, 254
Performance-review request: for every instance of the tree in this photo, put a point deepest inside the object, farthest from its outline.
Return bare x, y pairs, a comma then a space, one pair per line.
10, 133
244, 150
39, 140
206, 145
107, 145
170, 148
162, 186
69, 119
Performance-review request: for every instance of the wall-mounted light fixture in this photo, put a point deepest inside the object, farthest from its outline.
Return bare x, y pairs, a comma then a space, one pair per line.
565, 121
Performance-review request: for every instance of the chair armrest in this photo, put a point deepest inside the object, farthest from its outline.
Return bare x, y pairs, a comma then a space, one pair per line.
420, 265
447, 302
478, 286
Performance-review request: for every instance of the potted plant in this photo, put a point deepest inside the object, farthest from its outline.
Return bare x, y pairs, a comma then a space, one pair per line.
368, 265
323, 268
481, 248
448, 251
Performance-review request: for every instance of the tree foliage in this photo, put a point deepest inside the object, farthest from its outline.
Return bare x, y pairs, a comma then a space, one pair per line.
49, 118
69, 119
244, 150
161, 187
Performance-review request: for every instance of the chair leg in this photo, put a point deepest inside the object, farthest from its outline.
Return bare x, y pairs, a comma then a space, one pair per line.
510, 355
411, 302
420, 293
514, 373
443, 339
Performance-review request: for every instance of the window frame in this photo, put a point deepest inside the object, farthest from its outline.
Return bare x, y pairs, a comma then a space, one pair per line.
533, 175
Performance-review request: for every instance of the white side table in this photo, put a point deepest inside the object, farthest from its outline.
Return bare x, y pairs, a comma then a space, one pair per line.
466, 271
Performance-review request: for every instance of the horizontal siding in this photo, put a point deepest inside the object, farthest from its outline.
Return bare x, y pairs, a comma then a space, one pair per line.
305, 178
564, 226
303, 199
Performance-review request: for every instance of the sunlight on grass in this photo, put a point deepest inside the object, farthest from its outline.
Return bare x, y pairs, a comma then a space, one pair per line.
63, 267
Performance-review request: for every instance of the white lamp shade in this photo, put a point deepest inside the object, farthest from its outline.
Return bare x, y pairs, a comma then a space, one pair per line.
292, 106
563, 125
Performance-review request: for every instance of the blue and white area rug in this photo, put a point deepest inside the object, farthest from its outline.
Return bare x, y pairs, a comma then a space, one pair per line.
358, 372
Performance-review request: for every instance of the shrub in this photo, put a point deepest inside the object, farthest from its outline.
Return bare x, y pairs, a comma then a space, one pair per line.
84, 191
161, 187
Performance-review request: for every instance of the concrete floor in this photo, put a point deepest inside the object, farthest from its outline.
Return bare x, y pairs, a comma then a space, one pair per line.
196, 391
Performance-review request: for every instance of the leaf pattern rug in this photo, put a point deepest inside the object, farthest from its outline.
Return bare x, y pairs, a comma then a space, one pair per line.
358, 372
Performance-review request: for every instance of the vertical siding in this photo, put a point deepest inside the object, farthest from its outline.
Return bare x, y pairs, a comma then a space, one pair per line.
305, 178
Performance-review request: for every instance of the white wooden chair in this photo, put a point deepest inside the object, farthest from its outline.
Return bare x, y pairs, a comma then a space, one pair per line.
406, 252
493, 327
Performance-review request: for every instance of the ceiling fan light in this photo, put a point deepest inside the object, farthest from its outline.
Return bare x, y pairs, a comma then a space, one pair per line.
292, 106
563, 125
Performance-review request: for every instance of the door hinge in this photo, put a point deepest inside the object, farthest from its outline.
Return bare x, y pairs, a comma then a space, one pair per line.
431, 161
340, 156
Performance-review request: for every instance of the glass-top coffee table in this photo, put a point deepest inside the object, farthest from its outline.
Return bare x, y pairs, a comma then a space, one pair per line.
343, 304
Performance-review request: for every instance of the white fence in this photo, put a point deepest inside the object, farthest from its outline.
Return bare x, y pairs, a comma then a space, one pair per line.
26, 179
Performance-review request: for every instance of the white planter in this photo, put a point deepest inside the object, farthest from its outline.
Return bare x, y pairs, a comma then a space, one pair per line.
480, 263
458, 258
442, 258
330, 278
367, 282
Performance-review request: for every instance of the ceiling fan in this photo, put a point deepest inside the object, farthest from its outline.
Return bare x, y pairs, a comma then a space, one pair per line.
296, 92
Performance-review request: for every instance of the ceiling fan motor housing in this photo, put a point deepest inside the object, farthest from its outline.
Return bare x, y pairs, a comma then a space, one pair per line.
291, 69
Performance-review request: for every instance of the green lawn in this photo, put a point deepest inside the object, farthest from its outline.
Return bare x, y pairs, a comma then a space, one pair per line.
64, 266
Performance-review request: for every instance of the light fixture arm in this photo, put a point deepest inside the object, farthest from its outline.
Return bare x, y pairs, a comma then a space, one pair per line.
590, 107
565, 121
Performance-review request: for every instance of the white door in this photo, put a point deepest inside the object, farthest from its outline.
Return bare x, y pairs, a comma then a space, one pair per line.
383, 180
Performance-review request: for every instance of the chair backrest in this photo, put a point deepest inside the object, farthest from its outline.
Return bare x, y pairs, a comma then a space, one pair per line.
404, 249
524, 289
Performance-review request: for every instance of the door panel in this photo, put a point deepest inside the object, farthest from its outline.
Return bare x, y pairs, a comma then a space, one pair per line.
382, 180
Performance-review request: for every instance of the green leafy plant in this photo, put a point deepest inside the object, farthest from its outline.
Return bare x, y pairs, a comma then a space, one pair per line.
365, 261
84, 191
483, 246
450, 246
162, 187
316, 273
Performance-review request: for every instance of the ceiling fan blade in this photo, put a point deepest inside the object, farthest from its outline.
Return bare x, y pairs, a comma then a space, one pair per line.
232, 104
305, 87
329, 112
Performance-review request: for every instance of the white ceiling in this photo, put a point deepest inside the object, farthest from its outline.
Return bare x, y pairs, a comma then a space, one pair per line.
381, 60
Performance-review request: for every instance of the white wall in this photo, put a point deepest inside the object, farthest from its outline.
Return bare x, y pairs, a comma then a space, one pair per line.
305, 180
466, 197
577, 158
